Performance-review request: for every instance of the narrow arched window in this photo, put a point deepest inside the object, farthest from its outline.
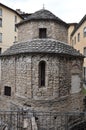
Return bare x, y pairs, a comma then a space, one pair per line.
42, 66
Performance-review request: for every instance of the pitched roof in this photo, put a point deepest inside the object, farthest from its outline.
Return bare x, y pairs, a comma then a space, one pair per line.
11, 10
43, 15
72, 24
25, 15
79, 24
42, 46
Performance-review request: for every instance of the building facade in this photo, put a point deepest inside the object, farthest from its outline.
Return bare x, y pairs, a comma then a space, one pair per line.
42, 72
77, 39
34, 68
8, 31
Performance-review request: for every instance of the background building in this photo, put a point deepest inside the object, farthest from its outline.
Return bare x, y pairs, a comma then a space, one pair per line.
8, 31
77, 39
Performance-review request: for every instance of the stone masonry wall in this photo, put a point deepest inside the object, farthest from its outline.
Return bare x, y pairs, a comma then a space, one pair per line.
30, 31
58, 77
8, 74
17, 75
21, 74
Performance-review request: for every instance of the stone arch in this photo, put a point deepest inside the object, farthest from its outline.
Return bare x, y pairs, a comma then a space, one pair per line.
75, 68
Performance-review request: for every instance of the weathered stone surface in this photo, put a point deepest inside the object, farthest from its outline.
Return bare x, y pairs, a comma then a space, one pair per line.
44, 46
56, 28
30, 30
21, 73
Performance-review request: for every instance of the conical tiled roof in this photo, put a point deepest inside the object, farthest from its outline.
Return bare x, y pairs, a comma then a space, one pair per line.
42, 15
48, 46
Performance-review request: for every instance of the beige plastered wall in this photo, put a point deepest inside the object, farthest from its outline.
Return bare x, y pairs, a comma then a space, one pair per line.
8, 28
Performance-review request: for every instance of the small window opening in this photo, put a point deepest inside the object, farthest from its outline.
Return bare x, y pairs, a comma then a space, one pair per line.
0, 50
84, 31
15, 19
0, 12
84, 51
0, 22
74, 40
84, 74
0, 37
7, 91
42, 73
42, 33
78, 37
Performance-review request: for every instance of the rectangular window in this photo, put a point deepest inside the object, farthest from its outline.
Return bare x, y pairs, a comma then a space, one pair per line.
15, 19
42, 32
0, 22
74, 40
84, 52
0, 50
0, 37
0, 12
84, 74
7, 91
15, 28
78, 37
84, 32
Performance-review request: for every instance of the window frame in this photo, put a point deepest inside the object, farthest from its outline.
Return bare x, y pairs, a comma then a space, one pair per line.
78, 38
1, 22
15, 28
84, 51
0, 50
0, 12
0, 37
84, 74
84, 32
15, 19
74, 40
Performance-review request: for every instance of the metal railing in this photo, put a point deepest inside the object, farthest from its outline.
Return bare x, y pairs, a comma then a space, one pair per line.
34, 120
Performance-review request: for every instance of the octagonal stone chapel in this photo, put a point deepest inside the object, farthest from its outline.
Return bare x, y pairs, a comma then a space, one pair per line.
42, 71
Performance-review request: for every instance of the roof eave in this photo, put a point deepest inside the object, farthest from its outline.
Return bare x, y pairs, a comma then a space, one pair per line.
26, 21
59, 54
11, 10
79, 24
